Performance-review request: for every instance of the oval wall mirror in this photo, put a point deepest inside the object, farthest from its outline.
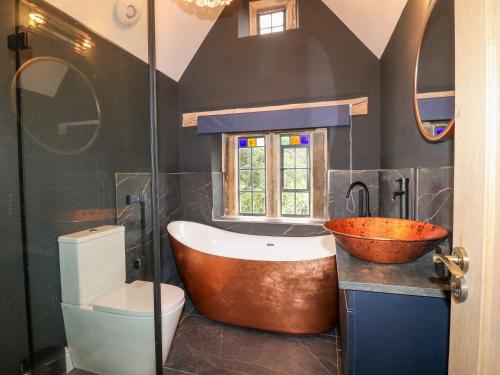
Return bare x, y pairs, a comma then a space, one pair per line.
434, 87
59, 109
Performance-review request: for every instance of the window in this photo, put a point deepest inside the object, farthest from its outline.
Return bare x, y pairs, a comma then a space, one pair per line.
271, 16
295, 175
252, 175
271, 22
275, 175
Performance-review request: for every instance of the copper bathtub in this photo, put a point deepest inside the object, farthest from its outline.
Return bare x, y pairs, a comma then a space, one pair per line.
281, 284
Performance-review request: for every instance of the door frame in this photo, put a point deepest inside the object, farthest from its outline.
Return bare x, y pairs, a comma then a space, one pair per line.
475, 323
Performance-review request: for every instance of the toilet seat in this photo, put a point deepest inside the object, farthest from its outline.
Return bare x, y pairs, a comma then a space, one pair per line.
136, 299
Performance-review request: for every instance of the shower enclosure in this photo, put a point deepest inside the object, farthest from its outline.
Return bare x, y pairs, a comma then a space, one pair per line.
77, 111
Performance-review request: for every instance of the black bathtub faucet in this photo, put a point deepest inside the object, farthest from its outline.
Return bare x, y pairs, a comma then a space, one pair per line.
403, 195
364, 198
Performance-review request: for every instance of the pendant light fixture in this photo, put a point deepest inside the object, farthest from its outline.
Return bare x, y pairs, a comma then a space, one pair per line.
210, 3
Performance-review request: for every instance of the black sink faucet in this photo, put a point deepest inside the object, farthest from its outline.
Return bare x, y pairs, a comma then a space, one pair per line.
364, 198
403, 195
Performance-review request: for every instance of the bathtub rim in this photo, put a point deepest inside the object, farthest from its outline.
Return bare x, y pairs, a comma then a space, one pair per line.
333, 251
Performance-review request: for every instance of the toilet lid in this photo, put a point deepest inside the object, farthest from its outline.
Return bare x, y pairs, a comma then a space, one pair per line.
136, 299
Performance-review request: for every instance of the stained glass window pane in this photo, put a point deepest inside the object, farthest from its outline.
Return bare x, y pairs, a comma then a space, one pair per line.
289, 158
301, 179
245, 161
258, 158
259, 203
302, 204
302, 158
259, 180
246, 203
289, 179
245, 180
285, 140
287, 203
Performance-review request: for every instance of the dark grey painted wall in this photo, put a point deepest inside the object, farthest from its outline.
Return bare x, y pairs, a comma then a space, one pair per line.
402, 146
13, 328
321, 60
168, 123
436, 68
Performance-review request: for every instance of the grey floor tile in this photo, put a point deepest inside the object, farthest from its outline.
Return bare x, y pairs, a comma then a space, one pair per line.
204, 347
79, 372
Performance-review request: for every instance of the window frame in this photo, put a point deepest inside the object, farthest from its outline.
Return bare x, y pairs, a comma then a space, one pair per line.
282, 175
273, 185
258, 7
271, 12
251, 170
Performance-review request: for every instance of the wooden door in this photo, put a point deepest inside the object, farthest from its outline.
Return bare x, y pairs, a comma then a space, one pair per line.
475, 323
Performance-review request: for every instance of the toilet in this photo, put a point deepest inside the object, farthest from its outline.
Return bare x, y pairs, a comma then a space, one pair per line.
110, 324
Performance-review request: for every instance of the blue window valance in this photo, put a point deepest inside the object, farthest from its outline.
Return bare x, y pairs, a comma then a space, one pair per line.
437, 109
288, 119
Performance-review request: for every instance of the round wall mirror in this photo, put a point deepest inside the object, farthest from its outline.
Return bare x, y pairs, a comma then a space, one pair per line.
434, 88
58, 106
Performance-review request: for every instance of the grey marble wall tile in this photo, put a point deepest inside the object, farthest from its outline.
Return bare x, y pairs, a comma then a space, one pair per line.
218, 194
170, 274
136, 218
388, 185
196, 196
170, 200
138, 227
272, 229
338, 182
144, 253
434, 198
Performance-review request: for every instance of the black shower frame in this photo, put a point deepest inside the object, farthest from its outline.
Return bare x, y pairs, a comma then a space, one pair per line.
153, 127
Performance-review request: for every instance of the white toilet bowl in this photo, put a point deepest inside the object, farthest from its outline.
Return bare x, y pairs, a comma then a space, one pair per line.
110, 324
114, 333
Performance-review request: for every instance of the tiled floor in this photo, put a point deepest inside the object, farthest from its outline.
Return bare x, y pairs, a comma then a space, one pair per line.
205, 347
79, 372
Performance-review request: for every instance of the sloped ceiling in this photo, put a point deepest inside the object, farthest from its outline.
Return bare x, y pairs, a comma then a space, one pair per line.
372, 21
181, 27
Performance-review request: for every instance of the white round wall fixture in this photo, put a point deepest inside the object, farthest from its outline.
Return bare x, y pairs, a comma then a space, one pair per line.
128, 11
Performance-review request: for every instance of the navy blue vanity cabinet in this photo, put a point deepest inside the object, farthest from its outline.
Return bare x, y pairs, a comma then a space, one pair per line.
385, 334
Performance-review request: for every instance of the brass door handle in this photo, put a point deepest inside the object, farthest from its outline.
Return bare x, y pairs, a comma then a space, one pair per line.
458, 265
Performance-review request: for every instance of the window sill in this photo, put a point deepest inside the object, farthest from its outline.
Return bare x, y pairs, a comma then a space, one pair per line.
270, 220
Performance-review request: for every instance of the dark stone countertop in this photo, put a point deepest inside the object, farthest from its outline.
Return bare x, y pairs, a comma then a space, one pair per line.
417, 278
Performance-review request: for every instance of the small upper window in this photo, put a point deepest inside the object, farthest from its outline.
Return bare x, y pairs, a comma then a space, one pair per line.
272, 16
271, 22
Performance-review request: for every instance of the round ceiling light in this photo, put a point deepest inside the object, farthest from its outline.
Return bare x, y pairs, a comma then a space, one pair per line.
210, 3
128, 11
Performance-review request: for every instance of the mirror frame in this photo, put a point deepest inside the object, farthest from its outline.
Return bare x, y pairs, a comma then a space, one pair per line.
450, 130
13, 95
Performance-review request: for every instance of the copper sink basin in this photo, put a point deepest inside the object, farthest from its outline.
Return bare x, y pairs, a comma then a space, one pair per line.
386, 240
